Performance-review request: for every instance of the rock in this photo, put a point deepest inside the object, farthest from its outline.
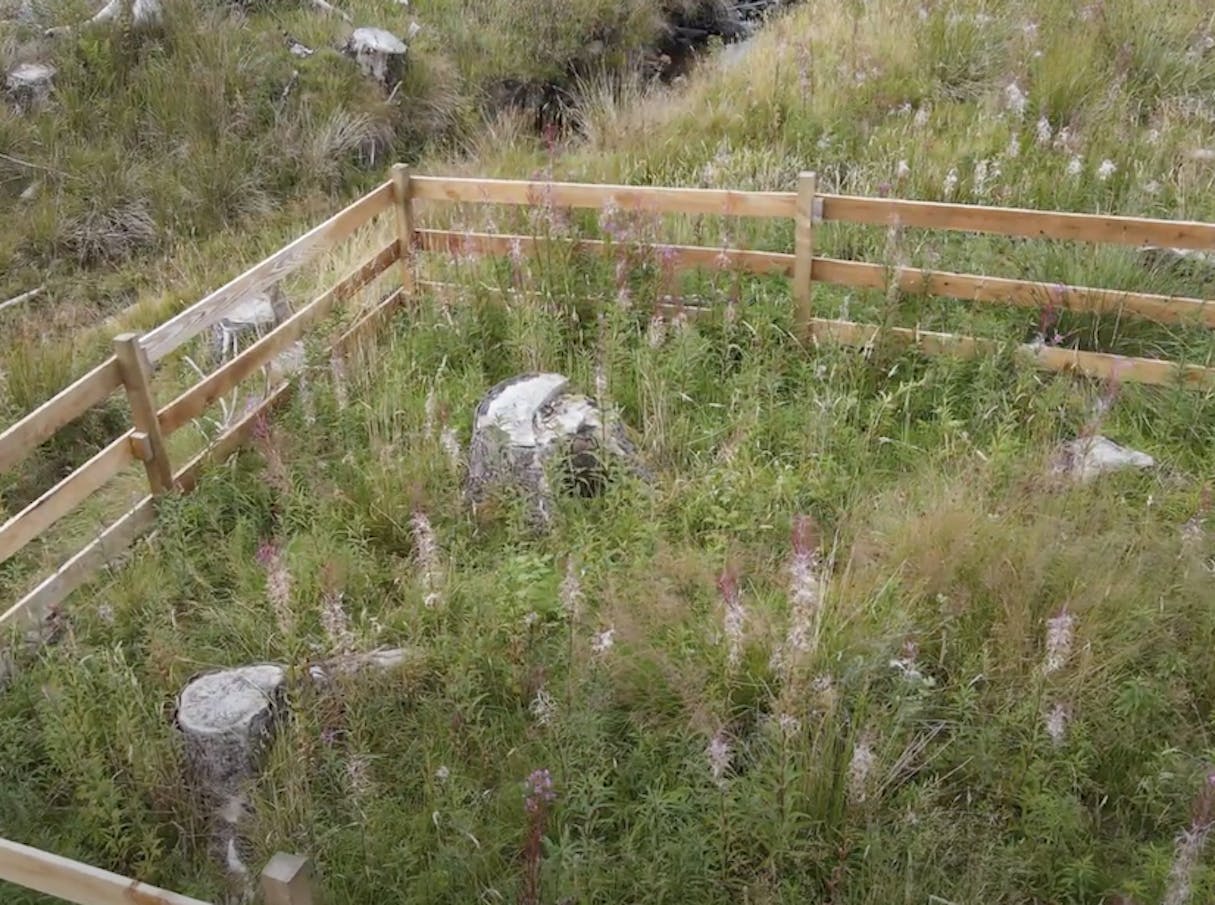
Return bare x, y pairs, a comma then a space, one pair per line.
296, 48
1086, 458
28, 85
1186, 261
527, 425
226, 718
379, 53
30, 192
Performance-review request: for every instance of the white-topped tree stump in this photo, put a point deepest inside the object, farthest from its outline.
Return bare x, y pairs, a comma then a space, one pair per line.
226, 718
28, 85
379, 53
531, 425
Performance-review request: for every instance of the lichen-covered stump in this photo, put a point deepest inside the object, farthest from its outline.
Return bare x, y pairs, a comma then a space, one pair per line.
532, 424
226, 718
379, 53
1086, 458
28, 86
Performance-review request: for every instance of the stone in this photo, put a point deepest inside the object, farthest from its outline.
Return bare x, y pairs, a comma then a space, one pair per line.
1086, 458
226, 718
529, 425
1184, 261
28, 85
379, 53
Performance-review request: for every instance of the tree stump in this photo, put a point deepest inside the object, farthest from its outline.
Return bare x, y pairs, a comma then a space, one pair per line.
226, 718
28, 85
379, 53
1086, 458
254, 314
140, 12
532, 424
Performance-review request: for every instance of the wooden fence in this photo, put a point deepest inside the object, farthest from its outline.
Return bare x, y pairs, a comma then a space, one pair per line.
134, 357
286, 880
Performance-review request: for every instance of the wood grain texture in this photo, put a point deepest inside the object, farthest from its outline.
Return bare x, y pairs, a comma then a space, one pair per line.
65, 496
403, 204
287, 880
75, 882
458, 243
26, 435
1010, 221
203, 314
585, 195
137, 377
194, 401
1100, 365
111, 543
803, 250
1021, 293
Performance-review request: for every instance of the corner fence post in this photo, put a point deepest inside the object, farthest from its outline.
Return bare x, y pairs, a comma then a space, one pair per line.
403, 196
287, 880
803, 252
149, 442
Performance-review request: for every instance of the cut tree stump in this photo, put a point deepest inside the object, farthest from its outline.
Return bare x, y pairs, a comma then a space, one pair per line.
379, 53
532, 424
1086, 458
226, 718
28, 85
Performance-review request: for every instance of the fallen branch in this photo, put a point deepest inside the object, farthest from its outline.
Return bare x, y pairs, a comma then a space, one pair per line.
23, 297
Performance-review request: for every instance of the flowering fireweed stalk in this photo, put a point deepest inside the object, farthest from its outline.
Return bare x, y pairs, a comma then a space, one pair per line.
538, 796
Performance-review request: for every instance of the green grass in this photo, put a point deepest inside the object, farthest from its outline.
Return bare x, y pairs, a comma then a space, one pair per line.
906, 756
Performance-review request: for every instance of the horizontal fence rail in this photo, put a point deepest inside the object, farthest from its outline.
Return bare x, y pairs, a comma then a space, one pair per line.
80, 883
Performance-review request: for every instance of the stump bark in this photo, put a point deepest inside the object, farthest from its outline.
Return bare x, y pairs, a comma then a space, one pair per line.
532, 425
28, 85
379, 53
226, 718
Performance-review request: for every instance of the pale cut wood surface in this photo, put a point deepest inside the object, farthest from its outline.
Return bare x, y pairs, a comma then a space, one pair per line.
75, 882
287, 880
585, 195
201, 315
65, 496
26, 435
1010, 221
137, 376
194, 401
1090, 364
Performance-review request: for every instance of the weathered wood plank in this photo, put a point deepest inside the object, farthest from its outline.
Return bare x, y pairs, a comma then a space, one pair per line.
1010, 221
201, 315
82, 566
762, 262
72, 881
23, 437
1100, 365
1022, 293
403, 203
194, 401
65, 496
625, 197
137, 376
803, 250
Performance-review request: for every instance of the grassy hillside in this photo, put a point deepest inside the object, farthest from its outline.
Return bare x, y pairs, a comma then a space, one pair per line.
855, 644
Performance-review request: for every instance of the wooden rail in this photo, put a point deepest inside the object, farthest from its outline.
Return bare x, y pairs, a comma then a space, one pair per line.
198, 317
80, 883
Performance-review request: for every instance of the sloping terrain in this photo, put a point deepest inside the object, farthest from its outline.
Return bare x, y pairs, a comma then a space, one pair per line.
858, 641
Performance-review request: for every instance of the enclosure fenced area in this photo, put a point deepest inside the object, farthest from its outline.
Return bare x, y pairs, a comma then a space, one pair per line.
136, 358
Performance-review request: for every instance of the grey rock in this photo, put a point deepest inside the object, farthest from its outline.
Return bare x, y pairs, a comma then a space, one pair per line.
28, 85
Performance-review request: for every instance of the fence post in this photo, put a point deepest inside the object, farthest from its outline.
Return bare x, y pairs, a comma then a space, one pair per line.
403, 196
287, 880
803, 252
136, 373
